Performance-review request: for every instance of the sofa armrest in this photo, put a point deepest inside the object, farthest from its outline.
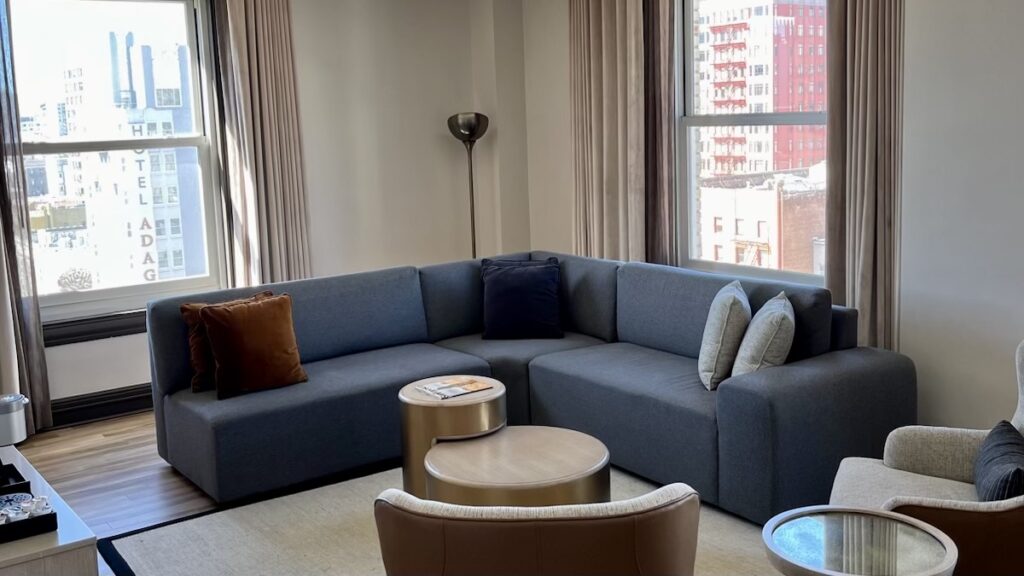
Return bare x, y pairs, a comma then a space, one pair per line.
900, 503
934, 451
987, 534
783, 431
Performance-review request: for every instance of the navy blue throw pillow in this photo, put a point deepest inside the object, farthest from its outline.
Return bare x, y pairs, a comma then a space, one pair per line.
521, 299
999, 469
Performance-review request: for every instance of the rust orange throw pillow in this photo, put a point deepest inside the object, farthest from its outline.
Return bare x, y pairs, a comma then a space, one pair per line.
253, 345
200, 354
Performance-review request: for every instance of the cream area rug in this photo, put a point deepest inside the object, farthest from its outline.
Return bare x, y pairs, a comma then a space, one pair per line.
330, 530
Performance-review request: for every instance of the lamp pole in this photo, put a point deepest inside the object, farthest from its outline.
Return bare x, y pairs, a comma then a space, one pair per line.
468, 127
472, 195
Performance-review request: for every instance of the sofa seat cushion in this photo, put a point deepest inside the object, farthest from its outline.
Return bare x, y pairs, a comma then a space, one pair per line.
869, 483
649, 407
347, 415
510, 359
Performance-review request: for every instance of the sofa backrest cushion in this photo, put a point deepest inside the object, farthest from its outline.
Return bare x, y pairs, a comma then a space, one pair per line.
453, 297
589, 288
844, 328
666, 308
333, 316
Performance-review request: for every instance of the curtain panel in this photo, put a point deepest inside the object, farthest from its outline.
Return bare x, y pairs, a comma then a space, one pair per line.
607, 91
22, 357
660, 131
261, 160
865, 162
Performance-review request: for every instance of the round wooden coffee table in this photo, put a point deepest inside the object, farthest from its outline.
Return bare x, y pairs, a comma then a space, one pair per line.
837, 541
520, 466
426, 419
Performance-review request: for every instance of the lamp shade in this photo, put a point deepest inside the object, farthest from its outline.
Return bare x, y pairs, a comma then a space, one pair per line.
468, 126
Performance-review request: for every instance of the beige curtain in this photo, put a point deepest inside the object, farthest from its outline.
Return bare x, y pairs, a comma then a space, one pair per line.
22, 356
265, 195
606, 61
660, 108
865, 158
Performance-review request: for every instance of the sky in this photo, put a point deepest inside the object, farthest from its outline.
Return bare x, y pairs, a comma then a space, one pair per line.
50, 36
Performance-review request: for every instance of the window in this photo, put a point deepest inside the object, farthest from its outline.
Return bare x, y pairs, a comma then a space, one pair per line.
179, 258
753, 148
112, 116
168, 97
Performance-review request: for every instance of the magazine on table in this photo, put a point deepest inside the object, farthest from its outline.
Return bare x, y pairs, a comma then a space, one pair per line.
454, 387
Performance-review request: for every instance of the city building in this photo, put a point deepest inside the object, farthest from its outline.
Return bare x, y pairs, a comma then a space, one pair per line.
758, 57
117, 218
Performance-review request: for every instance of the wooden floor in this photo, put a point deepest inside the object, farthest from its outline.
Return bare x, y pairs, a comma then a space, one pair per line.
111, 475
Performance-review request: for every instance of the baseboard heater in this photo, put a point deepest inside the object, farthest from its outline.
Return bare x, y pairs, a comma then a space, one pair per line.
101, 405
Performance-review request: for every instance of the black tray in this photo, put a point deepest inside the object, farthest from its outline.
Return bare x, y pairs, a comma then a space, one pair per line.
28, 527
12, 482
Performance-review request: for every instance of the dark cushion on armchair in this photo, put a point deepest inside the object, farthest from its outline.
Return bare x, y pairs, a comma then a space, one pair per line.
999, 471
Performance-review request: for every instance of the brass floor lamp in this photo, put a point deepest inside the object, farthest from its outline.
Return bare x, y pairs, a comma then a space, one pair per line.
468, 127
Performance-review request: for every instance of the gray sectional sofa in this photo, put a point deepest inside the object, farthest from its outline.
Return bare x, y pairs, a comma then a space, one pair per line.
626, 372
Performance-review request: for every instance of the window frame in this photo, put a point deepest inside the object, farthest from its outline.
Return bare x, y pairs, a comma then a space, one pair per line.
687, 150
63, 307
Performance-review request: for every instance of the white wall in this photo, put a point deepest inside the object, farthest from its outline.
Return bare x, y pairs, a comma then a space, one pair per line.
962, 272
549, 137
387, 182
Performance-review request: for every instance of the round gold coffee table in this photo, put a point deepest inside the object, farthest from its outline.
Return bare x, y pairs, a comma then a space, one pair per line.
520, 466
426, 419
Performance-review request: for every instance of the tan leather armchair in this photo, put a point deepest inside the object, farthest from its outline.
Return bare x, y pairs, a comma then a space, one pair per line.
928, 472
652, 534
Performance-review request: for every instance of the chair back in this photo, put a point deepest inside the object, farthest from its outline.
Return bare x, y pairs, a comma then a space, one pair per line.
652, 534
1018, 417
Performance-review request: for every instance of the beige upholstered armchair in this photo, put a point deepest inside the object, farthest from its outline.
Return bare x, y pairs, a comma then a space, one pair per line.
652, 534
928, 473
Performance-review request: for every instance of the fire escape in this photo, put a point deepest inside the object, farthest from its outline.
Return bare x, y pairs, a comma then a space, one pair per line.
729, 47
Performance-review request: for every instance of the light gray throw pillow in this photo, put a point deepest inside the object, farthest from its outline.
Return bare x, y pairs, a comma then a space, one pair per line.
723, 332
769, 337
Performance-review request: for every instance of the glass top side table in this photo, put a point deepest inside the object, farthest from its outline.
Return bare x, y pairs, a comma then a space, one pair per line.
835, 541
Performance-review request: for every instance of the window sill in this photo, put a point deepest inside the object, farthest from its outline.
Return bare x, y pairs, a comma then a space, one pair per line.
62, 332
740, 270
